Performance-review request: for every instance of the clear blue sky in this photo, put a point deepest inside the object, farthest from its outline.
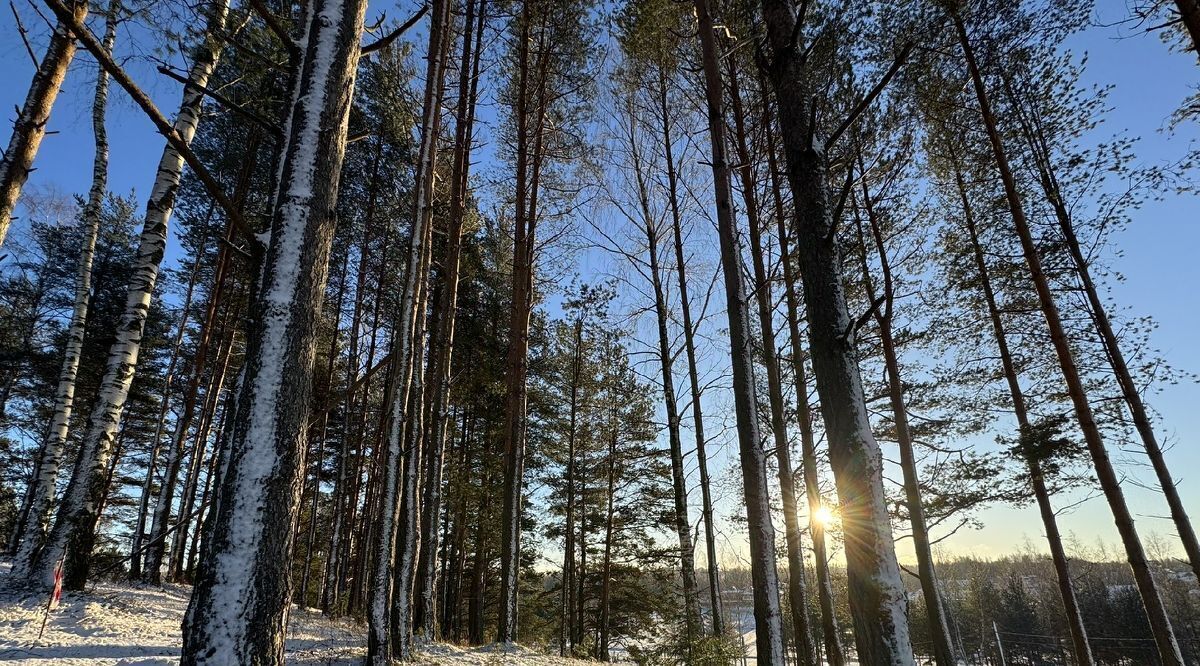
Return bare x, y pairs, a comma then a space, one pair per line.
1159, 249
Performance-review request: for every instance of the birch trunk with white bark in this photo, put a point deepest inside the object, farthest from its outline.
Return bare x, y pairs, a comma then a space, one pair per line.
39, 512
75, 527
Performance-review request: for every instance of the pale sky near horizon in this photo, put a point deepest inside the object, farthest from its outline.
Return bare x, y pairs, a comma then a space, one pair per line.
1159, 249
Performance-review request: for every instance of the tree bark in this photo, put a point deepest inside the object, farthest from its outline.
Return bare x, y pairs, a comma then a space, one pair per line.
531, 102
239, 605
768, 620
30, 126
1058, 554
602, 649
74, 531
136, 550
394, 559
830, 631
1189, 15
797, 589
939, 631
37, 515
425, 612
877, 600
212, 394
1160, 623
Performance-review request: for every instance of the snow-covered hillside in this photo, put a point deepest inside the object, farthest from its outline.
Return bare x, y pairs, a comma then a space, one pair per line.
126, 625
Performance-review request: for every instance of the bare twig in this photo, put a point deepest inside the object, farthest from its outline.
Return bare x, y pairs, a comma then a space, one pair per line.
386, 40
24, 34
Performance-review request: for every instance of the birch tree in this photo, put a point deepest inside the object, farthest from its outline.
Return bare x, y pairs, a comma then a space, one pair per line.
39, 513
74, 531
32, 118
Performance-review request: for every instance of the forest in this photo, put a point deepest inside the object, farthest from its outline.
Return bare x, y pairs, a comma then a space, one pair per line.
646, 331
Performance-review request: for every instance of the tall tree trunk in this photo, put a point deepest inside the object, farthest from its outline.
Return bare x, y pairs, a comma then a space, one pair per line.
568, 618
528, 163
1036, 137
797, 590
136, 549
42, 485
331, 355
408, 536
74, 530
334, 562
1189, 15
689, 343
425, 611
1160, 623
939, 631
239, 605
1058, 554
830, 631
602, 645
877, 599
30, 126
693, 624
768, 619
395, 554
212, 394
156, 546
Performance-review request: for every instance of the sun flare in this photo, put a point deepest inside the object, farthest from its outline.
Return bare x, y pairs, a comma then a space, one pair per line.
824, 515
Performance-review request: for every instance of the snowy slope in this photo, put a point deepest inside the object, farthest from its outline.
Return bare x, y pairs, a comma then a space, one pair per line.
140, 625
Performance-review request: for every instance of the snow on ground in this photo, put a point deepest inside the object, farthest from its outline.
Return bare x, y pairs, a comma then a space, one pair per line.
139, 625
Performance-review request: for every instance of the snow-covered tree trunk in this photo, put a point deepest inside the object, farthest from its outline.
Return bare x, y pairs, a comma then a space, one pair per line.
409, 537
42, 487
877, 600
426, 612
1110, 483
75, 527
30, 127
239, 606
768, 619
390, 566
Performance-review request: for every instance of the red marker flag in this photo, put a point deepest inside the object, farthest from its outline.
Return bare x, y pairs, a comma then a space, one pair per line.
56, 595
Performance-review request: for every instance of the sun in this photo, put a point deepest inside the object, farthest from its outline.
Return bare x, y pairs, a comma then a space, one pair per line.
824, 515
